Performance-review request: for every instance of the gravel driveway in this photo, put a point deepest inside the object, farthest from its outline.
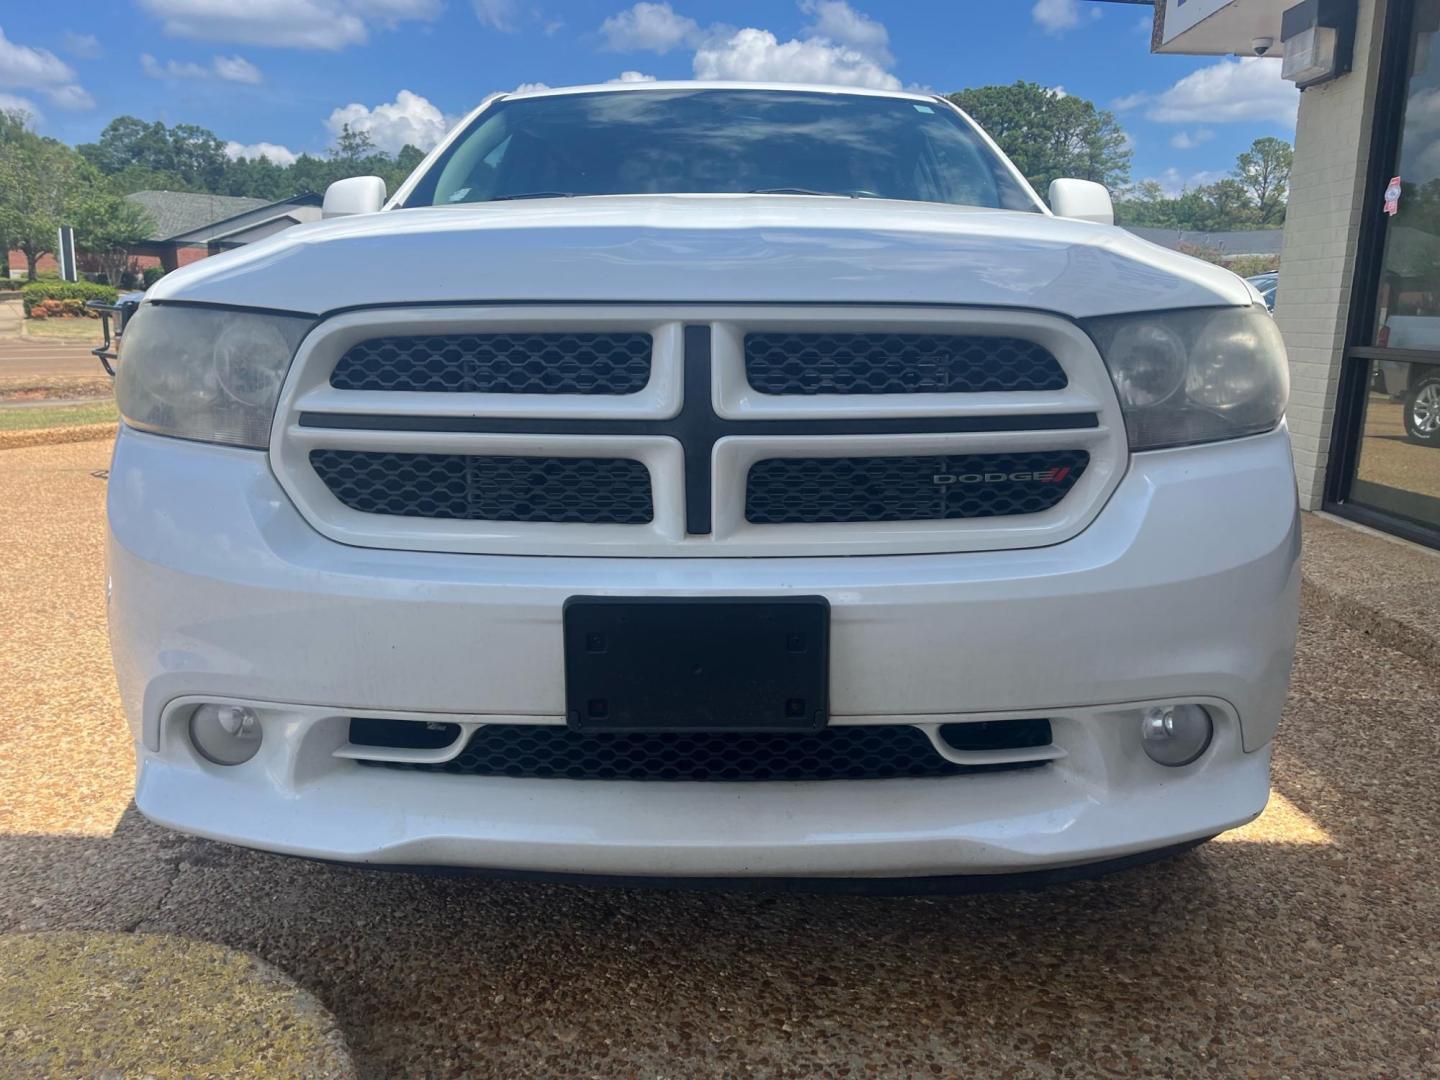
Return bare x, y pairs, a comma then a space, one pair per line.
1304, 945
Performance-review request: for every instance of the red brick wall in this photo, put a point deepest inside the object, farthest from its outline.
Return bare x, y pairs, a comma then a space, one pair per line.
47, 263
190, 254
18, 263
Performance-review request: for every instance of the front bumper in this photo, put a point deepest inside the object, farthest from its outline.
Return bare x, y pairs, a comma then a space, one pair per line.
1185, 588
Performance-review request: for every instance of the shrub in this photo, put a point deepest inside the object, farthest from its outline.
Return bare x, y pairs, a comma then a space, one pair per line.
1250, 265
39, 292
152, 274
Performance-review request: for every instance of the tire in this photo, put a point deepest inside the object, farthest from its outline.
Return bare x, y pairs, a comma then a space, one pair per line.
1422, 411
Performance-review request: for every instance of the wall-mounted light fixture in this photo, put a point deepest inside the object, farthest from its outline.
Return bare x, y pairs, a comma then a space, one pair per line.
1318, 38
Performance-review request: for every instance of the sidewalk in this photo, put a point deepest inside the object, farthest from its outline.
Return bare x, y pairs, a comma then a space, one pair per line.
1387, 589
12, 313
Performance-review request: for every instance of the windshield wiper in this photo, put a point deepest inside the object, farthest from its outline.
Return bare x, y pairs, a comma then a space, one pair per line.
798, 191
533, 195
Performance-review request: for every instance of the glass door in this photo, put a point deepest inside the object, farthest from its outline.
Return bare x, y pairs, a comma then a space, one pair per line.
1387, 463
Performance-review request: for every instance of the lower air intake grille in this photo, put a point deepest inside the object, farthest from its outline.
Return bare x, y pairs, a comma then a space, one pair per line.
829, 363
473, 487
508, 363
877, 752
785, 491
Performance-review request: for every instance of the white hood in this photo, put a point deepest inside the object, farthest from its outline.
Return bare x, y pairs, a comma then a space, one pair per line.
701, 248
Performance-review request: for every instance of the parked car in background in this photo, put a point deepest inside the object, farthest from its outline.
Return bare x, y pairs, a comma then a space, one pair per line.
1415, 384
720, 481
1267, 284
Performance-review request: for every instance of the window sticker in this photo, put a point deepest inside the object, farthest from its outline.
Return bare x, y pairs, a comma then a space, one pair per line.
924, 109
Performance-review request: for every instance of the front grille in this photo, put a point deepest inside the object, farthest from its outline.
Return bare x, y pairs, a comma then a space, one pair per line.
470, 487
506, 363
787, 491
872, 752
847, 363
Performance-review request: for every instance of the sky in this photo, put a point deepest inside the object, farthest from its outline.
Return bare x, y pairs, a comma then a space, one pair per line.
282, 76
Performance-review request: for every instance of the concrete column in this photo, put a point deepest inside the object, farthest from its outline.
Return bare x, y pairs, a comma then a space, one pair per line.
1327, 190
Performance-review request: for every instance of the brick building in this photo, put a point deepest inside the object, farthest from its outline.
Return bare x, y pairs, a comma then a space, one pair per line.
188, 226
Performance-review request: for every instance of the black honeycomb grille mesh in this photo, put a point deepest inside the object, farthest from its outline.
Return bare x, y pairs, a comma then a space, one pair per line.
845, 363
835, 753
787, 491
509, 363
592, 491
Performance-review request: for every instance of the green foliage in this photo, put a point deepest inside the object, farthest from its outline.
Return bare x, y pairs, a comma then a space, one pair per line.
190, 154
38, 185
133, 155
1250, 265
151, 274
107, 226
1252, 197
1049, 134
1264, 172
37, 292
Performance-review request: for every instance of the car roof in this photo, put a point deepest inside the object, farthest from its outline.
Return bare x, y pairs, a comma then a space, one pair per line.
696, 84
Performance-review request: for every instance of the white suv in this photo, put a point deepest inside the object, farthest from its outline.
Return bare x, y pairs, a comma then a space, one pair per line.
709, 481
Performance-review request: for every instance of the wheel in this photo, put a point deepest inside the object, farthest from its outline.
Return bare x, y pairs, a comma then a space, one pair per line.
1422, 411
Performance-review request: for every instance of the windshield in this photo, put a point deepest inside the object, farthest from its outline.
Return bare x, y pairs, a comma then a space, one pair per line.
647, 142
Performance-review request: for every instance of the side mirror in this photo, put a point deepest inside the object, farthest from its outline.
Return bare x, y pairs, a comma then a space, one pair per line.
1083, 200
355, 195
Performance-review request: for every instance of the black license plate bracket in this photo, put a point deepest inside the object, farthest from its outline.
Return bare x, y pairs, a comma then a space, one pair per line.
697, 663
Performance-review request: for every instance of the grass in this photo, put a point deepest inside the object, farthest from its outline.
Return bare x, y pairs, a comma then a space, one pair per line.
87, 331
14, 418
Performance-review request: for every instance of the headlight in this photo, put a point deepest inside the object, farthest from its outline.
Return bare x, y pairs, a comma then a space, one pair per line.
205, 373
1195, 376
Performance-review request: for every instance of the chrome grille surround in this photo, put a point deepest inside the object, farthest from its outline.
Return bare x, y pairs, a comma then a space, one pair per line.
741, 427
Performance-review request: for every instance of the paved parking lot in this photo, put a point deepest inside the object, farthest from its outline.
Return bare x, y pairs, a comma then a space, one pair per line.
1304, 945
22, 358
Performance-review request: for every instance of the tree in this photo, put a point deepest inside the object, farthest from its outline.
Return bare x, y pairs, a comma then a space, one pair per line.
1050, 134
194, 156
37, 189
1251, 197
1264, 171
107, 226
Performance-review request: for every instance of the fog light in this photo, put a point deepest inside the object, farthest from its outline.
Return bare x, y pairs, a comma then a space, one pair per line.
225, 734
1175, 734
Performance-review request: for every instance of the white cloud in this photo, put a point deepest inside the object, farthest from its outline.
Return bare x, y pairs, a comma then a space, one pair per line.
41, 70
280, 155
1057, 16
11, 103
752, 55
410, 118
1189, 140
1243, 89
226, 68
85, 46
632, 76
298, 24
70, 96
498, 14
840, 46
648, 27
1058, 92
530, 87
837, 21
1173, 182
236, 69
